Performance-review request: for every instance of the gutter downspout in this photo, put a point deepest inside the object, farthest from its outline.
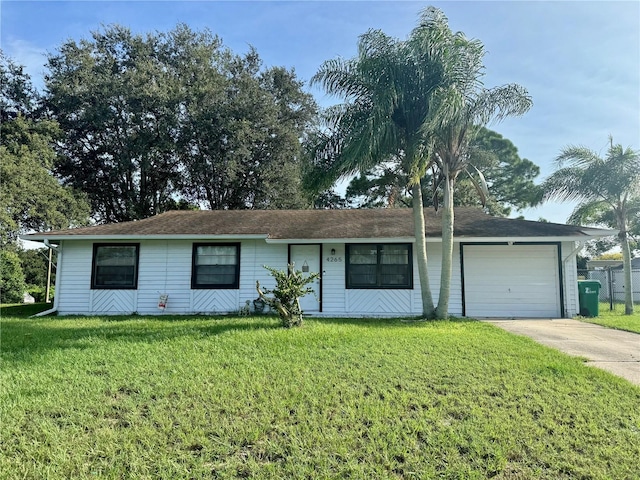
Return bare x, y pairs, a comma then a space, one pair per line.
56, 297
576, 250
564, 265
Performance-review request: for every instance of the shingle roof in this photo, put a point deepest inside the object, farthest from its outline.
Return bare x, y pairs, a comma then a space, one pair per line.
323, 224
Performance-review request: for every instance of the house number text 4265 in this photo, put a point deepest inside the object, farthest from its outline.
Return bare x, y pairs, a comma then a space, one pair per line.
334, 259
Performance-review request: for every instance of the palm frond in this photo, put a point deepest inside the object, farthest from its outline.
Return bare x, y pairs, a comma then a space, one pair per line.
577, 156
612, 177
568, 184
607, 188
496, 104
479, 183
597, 213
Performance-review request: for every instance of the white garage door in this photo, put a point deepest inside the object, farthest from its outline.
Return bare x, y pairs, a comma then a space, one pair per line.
511, 281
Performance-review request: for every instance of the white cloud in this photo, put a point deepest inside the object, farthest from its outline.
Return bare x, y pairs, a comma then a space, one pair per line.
30, 56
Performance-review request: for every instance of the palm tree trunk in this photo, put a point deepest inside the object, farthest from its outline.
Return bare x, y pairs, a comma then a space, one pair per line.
626, 261
442, 311
421, 251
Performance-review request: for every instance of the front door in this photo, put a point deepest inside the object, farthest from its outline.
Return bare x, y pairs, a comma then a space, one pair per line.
307, 259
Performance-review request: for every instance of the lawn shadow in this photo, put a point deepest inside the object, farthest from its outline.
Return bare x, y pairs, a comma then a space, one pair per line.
23, 310
378, 322
22, 339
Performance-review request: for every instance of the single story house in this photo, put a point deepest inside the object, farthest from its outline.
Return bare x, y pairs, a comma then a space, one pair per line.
209, 261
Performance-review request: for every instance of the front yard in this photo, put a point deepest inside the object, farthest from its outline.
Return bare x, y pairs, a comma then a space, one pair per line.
189, 397
616, 318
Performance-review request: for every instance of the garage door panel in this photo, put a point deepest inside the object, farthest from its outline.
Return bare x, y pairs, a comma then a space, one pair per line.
511, 281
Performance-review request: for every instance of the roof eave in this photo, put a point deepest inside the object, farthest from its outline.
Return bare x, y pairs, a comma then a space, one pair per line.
41, 237
599, 232
341, 240
406, 239
533, 239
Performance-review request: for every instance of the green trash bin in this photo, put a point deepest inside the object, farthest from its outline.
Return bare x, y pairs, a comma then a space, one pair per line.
589, 297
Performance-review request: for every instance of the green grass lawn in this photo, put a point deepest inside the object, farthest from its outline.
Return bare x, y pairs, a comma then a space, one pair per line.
616, 318
189, 397
23, 310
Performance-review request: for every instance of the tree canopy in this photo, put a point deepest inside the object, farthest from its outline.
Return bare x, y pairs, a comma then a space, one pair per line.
30, 198
509, 177
175, 119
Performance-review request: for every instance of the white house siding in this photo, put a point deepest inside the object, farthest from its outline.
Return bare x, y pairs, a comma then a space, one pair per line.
254, 255
379, 302
73, 277
339, 301
165, 268
434, 262
570, 277
113, 302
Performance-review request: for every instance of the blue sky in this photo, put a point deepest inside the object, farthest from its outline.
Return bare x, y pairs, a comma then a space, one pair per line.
579, 60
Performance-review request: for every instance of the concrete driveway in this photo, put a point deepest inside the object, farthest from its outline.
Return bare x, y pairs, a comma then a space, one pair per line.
613, 350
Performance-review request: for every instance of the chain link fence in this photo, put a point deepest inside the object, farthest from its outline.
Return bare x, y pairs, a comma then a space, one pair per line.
612, 286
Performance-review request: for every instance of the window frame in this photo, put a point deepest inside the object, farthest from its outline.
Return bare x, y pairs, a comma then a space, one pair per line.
209, 286
94, 274
378, 264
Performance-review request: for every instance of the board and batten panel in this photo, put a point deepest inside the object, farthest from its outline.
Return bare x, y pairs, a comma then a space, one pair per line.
74, 277
511, 281
113, 302
379, 302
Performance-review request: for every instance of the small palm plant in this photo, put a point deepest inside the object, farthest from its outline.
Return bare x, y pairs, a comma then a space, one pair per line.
291, 286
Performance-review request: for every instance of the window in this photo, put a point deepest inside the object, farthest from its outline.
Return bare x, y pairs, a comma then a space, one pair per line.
115, 266
215, 265
379, 266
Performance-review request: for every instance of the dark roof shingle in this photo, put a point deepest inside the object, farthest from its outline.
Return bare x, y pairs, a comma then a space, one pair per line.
322, 224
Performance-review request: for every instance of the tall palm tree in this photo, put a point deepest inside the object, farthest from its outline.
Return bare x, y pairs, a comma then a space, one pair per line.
453, 150
394, 92
607, 189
